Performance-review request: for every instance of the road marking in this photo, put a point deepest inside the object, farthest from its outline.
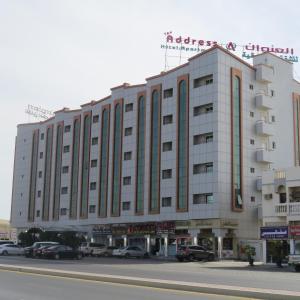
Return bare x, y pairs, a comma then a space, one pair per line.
129, 285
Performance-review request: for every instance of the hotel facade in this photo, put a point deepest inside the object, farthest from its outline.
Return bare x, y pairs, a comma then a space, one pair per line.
175, 160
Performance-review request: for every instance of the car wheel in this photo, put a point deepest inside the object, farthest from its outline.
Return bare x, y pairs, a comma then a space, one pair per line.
57, 256
211, 257
127, 255
5, 253
105, 254
191, 257
79, 256
180, 259
297, 268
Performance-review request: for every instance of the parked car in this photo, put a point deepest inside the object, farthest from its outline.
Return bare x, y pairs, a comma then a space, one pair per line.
38, 252
3, 242
105, 251
11, 249
294, 260
130, 251
194, 253
31, 251
89, 248
61, 251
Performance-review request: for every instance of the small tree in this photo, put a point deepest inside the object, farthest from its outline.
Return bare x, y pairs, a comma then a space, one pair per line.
250, 252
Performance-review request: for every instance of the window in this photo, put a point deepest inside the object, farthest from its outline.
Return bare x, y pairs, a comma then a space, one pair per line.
167, 146
205, 80
203, 168
268, 196
39, 193
251, 86
41, 155
129, 107
93, 186
67, 128
252, 170
42, 136
95, 118
168, 119
38, 213
166, 201
63, 211
65, 169
127, 180
92, 209
272, 93
251, 141
128, 131
94, 141
166, 174
168, 93
66, 149
282, 198
127, 155
64, 190
252, 199
203, 109
273, 145
251, 114
126, 205
40, 174
203, 198
93, 163
273, 118
203, 138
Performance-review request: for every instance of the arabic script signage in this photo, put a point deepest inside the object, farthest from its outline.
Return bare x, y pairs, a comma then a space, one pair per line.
295, 230
191, 44
281, 232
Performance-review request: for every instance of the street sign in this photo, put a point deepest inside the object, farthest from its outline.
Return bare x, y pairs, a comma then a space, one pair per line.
272, 233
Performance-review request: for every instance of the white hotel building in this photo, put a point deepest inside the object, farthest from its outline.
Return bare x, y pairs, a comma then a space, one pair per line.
171, 161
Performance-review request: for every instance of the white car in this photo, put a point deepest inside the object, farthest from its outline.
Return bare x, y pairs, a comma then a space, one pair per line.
11, 249
130, 251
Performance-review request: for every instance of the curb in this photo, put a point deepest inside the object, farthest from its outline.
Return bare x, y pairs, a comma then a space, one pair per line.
216, 289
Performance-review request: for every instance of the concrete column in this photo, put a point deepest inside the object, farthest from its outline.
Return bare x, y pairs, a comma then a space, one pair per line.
264, 251
220, 247
147, 237
219, 233
292, 246
194, 235
166, 241
110, 240
124, 240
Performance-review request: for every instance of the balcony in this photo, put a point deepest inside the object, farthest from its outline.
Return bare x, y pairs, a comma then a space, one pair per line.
264, 156
264, 129
263, 102
294, 209
281, 210
264, 73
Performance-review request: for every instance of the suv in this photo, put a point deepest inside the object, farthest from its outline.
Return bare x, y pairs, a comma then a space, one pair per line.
88, 248
31, 251
194, 253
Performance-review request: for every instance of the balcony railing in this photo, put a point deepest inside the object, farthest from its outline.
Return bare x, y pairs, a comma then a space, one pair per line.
281, 210
294, 209
287, 209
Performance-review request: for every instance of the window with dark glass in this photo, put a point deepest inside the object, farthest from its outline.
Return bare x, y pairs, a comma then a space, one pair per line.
204, 80
67, 128
203, 138
39, 193
103, 163
92, 209
93, 163
252, 141
203, 109
41, 155
127, 155
42, 136
126, 205
95, 118
117, 160
93, 186
203, 198
65, 169
129, 107
166, 174
203, 168
128, 131
127, 180
168, 93
40, 174
252, 170
154, 152
94, 141
167, 146
166, 201
38, 213
63, 211
64, 190
85, 166
75, 169
168, 119
66, 149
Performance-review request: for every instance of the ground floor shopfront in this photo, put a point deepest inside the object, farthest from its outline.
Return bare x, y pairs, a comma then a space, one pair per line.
164, 238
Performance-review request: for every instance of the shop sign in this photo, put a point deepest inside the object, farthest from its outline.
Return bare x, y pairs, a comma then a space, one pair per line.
274, 232
165, 227
119, 229
229, 223
295, 230
148, 228
102, 230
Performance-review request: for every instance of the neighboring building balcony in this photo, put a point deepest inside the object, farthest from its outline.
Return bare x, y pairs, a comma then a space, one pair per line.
287, 209
263, 102
281, 210
264, 73
264, 156
264, 129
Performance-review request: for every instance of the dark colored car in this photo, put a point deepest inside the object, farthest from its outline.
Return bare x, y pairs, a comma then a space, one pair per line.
60, 251
31, 251
194, 253
38, 252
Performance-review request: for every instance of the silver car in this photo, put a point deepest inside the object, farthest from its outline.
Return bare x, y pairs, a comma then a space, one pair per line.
130, 251
11, 249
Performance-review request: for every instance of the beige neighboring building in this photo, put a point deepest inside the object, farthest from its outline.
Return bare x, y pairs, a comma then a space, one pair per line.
5, 230
280, 212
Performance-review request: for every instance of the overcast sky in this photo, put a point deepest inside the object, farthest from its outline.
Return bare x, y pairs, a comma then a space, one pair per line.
56, 53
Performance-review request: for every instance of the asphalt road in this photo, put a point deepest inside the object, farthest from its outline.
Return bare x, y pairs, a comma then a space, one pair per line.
224, 272
22, 286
